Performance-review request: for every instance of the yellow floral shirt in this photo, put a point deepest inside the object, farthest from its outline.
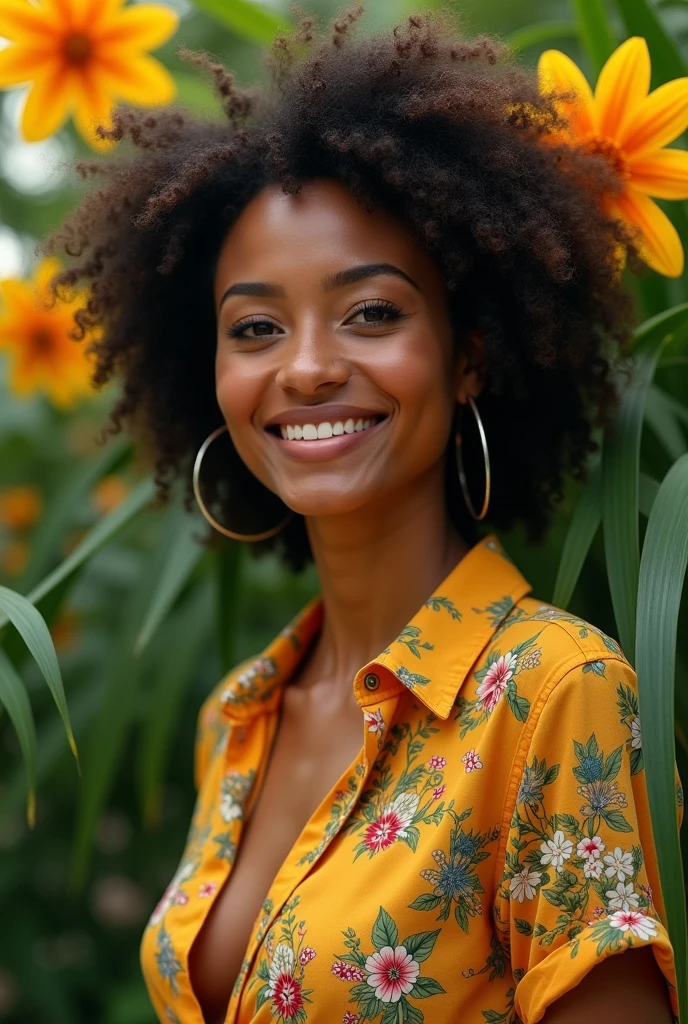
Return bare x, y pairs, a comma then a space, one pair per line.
490, 843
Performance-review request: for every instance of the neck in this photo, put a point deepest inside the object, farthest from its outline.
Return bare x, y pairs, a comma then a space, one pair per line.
376, 568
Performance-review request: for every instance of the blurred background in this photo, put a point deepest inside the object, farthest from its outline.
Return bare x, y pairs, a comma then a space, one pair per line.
142, 635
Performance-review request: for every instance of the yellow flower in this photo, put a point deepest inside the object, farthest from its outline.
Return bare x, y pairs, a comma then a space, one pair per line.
36, 335
630, 127
109, 493
20, 507
14, 557
81, 56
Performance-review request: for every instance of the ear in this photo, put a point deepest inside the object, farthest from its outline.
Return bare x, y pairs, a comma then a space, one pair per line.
471, 369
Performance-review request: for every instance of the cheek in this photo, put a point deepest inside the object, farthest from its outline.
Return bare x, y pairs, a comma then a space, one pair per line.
420, 382
237, 389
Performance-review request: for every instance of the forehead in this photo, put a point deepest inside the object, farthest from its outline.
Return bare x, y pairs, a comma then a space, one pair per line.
322, 228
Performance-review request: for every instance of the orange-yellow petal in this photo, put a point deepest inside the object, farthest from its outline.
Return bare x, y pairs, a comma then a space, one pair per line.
138, 79
48, 103
145, 27
660, 245
663, 173
15, 297
22, 22
660, 118
558, 73
19, 64
93, 107
623, 84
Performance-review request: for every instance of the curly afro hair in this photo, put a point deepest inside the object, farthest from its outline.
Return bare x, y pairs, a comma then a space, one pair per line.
453, 137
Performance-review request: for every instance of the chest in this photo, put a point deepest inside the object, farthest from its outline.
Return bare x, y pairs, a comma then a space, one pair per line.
307, 757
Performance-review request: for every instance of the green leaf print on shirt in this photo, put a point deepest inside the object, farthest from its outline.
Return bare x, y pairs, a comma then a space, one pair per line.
455, 881
497, 610
627, 704
436, 604
386, 979
391, 808
411, 637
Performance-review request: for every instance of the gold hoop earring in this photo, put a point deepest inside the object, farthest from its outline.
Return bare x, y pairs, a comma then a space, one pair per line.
486, 457
252, 537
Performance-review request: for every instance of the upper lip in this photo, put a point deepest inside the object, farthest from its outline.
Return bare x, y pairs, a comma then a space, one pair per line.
316, 414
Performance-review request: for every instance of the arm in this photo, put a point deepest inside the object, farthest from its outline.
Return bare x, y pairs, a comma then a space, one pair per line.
622, 988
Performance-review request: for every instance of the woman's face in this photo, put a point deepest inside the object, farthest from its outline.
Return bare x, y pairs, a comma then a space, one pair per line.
331, 319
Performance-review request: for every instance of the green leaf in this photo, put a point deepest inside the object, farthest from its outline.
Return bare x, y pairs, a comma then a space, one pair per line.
32, 626
541, 33
250, 21
104, 530
586, 519
181, 533
228, 567
662, 578
647, 494
385, 931
186, 632
420, 945
641, 19
596, 32
520, 706
426, 901
14, 698
65, 504
523, 926
621, 471
424, 987
661, 419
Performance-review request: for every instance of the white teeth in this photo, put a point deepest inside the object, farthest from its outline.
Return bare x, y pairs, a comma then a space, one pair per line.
311, 432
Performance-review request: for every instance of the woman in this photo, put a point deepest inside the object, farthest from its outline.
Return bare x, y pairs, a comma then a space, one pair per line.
375, 310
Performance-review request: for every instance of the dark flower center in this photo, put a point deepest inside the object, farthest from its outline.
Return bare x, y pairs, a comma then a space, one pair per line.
77, 48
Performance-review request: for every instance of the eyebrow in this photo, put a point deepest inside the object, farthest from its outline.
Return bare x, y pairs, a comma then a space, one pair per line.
341, 278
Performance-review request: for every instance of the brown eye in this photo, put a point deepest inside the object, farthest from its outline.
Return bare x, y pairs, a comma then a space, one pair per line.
258, 325
376, 312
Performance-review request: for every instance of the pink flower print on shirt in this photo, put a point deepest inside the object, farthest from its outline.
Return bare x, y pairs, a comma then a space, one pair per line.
590, 849
285, 990
347, 972
181, 898
496, 678
436, 763
374, 720
472, 761
392, 822
351, 1018
437, 793
391, 973
207, 889
306, 955
635, 922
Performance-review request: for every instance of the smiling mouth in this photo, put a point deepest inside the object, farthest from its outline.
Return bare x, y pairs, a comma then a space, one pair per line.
310, 432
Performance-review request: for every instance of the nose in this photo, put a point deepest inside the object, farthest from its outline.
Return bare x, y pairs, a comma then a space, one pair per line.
311, 361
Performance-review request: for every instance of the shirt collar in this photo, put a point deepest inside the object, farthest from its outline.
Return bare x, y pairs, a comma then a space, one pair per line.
432, 655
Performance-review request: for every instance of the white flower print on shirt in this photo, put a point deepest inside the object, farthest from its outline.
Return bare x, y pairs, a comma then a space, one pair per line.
634, 921
472, 761
591, 849
524, 884
374, 720
636, 734
593, 868
619, 864
622, 897
496, 678
556, 850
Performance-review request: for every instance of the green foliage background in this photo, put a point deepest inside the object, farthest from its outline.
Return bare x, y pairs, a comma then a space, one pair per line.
159, 622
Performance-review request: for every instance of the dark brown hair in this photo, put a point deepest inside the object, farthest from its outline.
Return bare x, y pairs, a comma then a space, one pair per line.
449, 134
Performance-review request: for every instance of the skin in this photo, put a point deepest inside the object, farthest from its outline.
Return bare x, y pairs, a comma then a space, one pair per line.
377, 511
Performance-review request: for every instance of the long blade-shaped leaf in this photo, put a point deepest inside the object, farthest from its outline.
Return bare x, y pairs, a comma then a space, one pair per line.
228, 565
187, 632
662, 576
248, 20
595, 30
647, 494
641, 19
584, 525
541, 33
184, 553
104, 530
14, 698
621, 472
663, 423
32, 626
64, 505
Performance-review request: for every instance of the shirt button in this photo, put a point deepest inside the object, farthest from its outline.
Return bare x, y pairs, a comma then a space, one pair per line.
371, 681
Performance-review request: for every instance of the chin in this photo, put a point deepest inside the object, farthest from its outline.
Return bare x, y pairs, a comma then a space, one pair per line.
327, 503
